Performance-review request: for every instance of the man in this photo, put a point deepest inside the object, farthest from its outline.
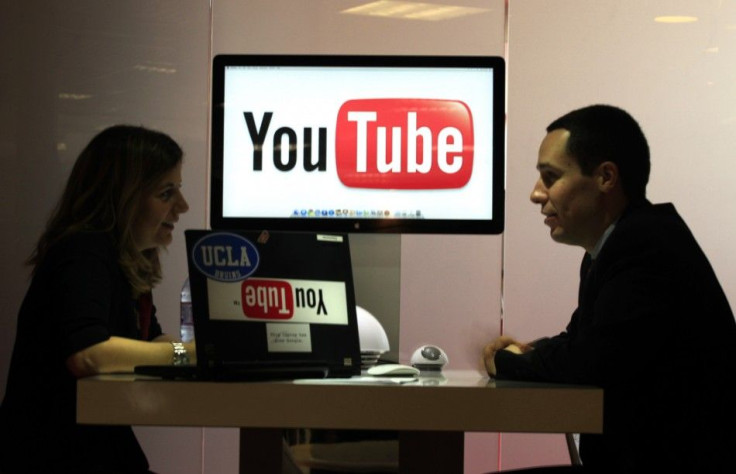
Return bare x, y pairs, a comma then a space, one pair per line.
653, 327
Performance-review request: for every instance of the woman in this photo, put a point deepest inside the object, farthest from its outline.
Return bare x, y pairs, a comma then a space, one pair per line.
88, 309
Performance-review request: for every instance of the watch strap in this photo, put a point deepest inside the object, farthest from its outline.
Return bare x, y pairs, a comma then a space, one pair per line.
181, 357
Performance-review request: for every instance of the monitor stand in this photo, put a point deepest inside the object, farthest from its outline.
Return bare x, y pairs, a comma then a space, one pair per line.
376, 262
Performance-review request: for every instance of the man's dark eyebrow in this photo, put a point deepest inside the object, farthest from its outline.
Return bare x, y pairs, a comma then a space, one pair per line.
546, 167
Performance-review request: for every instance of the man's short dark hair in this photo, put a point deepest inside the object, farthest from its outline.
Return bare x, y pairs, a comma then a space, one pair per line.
601, 133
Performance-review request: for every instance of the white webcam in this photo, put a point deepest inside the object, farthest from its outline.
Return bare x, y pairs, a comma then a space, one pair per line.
429, 358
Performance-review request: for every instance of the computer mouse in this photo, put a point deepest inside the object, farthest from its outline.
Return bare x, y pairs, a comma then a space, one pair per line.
392, 370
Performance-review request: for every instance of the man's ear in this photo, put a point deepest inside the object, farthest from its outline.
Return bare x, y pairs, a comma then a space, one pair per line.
607, 176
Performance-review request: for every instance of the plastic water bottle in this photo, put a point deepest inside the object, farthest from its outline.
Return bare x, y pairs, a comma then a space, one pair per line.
187, 319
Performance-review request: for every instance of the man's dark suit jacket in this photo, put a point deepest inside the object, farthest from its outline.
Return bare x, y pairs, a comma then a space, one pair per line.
653, 328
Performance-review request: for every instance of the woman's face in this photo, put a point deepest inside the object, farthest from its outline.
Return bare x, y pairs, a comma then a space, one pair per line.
160, 211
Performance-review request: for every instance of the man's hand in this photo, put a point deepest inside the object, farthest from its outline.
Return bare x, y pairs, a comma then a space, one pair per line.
502, 343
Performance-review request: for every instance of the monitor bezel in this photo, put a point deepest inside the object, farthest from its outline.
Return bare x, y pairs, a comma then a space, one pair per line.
494, 225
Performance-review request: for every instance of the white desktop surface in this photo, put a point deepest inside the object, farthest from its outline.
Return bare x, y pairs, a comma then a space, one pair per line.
434, 408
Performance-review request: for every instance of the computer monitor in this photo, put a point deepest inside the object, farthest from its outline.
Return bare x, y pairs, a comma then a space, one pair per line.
401, 144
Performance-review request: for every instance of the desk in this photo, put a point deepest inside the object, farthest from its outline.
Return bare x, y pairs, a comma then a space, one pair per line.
431, 415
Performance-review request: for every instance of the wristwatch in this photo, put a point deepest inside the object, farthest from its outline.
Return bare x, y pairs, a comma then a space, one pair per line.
180, 354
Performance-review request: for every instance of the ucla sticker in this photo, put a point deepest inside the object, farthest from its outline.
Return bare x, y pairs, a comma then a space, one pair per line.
225, 257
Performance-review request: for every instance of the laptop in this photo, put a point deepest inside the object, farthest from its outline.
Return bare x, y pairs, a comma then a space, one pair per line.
269, 305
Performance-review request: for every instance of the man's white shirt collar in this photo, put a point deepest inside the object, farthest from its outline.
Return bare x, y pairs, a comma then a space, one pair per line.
602, 241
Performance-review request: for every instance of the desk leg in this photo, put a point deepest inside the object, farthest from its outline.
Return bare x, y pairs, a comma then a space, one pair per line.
261, 450
431, 451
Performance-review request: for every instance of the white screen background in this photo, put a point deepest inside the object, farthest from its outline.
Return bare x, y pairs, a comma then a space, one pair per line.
311, 97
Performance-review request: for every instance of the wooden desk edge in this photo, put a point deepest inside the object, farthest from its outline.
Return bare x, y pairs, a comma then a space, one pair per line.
528, 408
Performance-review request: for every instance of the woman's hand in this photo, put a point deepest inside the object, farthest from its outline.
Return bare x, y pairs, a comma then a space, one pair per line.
119, 354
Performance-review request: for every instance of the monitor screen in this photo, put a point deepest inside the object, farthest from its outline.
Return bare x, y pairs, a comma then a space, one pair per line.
409, 144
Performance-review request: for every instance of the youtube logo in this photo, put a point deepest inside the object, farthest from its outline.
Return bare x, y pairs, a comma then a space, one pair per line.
379, 144
404, 143
268, 299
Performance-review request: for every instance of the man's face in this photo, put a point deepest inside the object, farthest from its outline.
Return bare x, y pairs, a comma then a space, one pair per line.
570, 201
